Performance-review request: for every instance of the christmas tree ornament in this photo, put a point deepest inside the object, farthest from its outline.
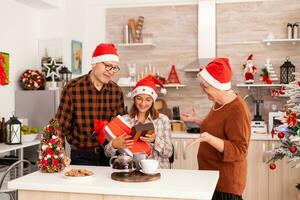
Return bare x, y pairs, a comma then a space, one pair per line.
52, 70
249, 70
293, 149
173, 76
286, 72
265, 76
272, 166
280, 135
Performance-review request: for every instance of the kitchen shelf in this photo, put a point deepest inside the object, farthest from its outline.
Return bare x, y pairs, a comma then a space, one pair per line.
239, 42
191, 70
173, 85
259, 85
136, 45
269, 42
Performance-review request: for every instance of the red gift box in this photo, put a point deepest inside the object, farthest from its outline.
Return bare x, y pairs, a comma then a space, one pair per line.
117, 127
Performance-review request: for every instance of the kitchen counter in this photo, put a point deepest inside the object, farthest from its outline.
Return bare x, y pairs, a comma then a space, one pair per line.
195, 135
183, 184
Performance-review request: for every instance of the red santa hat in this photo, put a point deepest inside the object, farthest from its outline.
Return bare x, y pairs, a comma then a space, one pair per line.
148, 86
218, 74
104, 53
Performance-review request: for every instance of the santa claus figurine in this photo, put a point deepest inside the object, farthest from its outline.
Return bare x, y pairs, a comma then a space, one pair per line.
249, 70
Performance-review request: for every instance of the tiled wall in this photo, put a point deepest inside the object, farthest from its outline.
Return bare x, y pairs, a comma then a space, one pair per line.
240, 29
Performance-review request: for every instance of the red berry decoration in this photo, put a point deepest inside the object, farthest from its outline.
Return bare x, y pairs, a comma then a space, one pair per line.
293, 149
280, 135
272, 166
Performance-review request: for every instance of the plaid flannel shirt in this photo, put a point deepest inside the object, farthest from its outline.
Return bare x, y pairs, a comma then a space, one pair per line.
162, 148
81, 103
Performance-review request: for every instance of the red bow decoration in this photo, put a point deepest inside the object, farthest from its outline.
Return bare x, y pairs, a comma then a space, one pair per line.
277, 92
291, 118
99, 126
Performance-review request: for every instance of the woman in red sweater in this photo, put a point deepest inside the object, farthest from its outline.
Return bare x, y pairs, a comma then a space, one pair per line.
225, 131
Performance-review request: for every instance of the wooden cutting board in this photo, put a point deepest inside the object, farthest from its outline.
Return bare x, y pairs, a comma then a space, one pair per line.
135, 176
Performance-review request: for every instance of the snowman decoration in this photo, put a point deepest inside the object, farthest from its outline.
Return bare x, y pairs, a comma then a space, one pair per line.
249, 70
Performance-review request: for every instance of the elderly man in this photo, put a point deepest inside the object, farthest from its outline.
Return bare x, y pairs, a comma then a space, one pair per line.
93, 96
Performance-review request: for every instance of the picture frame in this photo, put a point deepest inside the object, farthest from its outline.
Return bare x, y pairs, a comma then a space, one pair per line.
4, 68
76, 57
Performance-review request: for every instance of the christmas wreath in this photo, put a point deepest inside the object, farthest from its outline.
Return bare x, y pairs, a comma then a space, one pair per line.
32, 80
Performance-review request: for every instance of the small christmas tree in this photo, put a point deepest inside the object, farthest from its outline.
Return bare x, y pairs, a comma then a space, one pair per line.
289, 131
273, 76
52, 154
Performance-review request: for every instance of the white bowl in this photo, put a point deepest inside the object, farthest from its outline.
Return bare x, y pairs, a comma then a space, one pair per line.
29, 137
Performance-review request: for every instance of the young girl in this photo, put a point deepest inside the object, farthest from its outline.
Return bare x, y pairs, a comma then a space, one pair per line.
142, 111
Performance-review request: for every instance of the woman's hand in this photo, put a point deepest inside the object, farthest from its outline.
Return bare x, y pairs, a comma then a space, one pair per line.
189, 117
124, 141
205, 137
149, 137
216, 142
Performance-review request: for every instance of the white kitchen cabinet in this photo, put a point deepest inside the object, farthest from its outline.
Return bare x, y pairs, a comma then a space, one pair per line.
257, 177
266, 184
185, 158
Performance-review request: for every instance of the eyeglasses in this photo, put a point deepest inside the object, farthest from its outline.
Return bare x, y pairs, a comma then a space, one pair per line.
109, 67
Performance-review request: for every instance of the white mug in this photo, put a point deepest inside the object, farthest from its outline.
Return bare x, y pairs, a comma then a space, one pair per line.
149, 165
137, 157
